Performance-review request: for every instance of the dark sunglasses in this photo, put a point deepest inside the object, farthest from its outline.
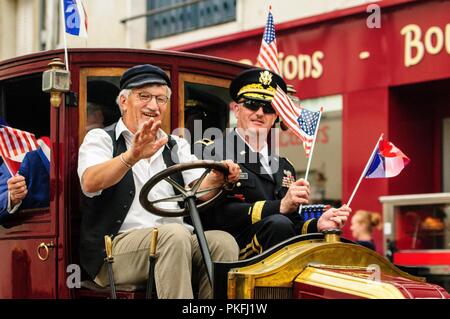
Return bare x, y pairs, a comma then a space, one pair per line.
255, 105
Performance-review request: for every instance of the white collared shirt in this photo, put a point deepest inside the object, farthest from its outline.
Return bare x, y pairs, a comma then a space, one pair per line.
97, 148
264, 153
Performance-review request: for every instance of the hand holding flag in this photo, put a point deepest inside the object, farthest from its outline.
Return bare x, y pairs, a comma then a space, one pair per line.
29, 186
302, 122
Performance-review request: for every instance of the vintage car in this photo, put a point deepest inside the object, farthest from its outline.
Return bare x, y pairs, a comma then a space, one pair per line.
39, 247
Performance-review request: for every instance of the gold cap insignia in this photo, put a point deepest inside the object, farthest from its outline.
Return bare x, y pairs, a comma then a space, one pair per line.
265, 77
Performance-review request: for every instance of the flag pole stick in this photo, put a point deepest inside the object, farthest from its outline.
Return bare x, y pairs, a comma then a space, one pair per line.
364, 171
66, 54
311, 153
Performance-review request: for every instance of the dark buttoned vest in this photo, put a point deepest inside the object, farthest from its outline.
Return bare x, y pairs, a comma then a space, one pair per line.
104, 214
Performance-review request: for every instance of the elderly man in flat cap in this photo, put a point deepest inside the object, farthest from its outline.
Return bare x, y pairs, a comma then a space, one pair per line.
262, 209
113, 165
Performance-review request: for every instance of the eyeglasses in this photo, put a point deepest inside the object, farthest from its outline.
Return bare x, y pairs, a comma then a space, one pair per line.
255, 105
161, 100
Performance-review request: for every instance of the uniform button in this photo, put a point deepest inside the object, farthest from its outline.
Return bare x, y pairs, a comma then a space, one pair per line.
131, 193
125, 206
118, 221
238, 184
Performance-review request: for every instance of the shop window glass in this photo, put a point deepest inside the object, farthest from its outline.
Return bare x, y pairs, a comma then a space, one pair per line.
199, 14
205, 106
101, 109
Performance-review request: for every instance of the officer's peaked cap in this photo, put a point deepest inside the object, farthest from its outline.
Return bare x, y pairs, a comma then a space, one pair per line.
256, 84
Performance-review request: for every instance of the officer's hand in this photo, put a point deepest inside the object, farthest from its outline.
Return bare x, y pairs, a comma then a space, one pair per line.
298, 193
234, 171
17, 189
334, 218
217, 178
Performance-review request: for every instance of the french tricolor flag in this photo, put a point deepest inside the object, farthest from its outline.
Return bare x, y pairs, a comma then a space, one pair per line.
387, 161
75, 18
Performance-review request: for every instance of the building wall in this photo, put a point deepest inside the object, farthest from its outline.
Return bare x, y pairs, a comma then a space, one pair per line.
104, 27
27, 26
252, 14
135, 30
7, 29
19, 27
20, 23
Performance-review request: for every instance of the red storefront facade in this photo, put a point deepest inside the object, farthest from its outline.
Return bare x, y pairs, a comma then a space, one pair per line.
394, 80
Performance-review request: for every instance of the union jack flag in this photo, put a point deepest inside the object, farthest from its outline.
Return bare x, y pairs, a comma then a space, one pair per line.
14, 144
268, 53
300, 120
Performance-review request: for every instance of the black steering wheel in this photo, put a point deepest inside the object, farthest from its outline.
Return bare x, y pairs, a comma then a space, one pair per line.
184, 192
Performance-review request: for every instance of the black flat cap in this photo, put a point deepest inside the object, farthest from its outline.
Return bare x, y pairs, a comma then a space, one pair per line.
256, 84
141, 75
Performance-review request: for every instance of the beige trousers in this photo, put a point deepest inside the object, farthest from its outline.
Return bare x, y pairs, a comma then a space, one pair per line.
179, 260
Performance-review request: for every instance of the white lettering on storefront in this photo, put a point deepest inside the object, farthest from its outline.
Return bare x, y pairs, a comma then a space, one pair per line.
433, 42
302, 66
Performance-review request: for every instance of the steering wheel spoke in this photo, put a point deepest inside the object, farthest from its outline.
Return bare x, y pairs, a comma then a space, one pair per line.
200, 180
177, 186
204, 191
177, 198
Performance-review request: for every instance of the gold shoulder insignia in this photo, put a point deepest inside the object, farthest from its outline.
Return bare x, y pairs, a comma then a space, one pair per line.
205, 141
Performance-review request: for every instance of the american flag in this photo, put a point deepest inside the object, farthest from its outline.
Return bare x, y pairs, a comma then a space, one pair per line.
14, 144
300, 120
268, 53
308, 122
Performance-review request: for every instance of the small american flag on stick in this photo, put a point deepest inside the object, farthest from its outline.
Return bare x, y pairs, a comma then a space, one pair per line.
300, 120
268, 53
14, 144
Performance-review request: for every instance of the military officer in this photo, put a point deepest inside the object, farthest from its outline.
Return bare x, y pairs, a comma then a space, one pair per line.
261, 210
